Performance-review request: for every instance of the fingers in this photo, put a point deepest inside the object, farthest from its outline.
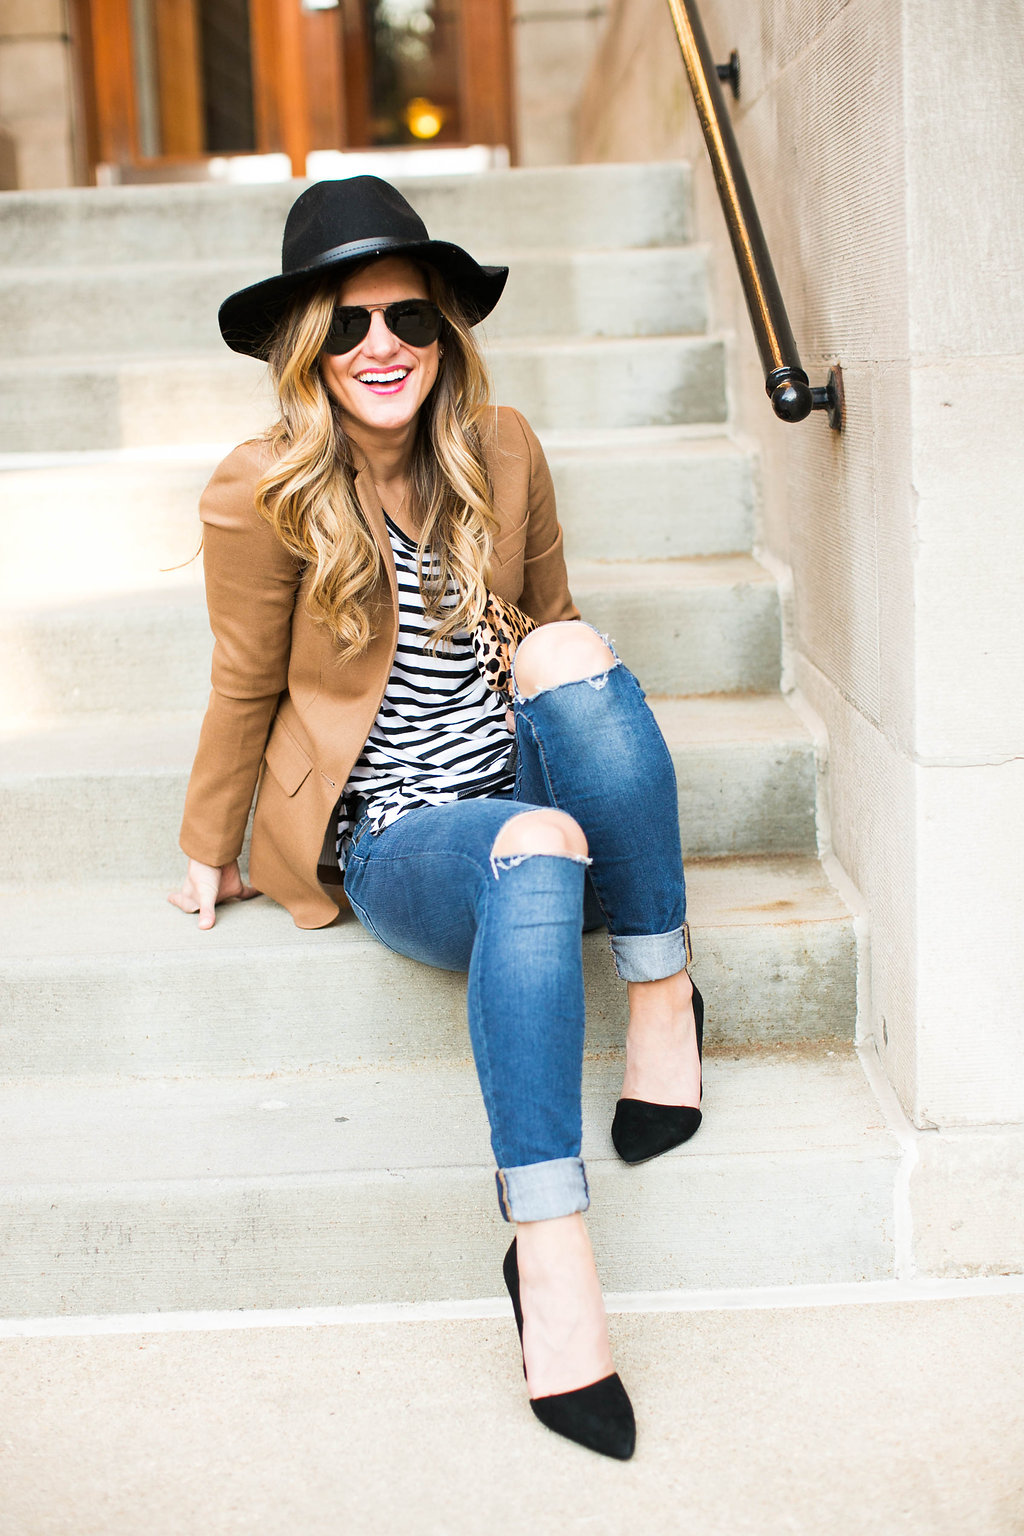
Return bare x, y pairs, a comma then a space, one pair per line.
198, 894
207, 903
205, 887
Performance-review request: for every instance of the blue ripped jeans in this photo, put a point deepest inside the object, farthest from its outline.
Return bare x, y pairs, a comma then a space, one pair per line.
429, 887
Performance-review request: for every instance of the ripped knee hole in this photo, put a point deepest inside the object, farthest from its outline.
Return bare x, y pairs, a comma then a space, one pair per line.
532, 834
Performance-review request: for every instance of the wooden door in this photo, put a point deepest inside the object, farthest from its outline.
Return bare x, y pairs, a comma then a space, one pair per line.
169, 83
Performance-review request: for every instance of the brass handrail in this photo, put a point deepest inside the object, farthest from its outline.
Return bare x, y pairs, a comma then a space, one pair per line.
785, 381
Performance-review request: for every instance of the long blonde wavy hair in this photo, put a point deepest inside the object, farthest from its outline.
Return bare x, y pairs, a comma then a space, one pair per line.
308, 494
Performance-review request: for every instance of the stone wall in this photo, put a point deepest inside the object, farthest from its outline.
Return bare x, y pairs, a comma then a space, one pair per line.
885, 155
554, 42
35, 95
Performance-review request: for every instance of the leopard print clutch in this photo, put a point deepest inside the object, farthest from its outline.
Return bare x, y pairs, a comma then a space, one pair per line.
501, 627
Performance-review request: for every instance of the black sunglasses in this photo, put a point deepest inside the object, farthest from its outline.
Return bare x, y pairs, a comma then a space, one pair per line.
417, 322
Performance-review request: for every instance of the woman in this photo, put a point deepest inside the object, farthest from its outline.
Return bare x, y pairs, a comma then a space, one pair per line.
348, 556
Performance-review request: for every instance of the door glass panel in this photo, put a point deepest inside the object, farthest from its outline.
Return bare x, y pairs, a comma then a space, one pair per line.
414, 71
193, 77
226, 56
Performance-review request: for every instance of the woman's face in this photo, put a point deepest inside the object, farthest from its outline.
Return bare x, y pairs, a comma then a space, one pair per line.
382, 382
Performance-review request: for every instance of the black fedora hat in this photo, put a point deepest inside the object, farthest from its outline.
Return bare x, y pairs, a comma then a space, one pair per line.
337, 224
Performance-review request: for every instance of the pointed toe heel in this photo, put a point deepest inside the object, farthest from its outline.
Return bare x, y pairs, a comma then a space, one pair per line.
641, 1130
599, 1416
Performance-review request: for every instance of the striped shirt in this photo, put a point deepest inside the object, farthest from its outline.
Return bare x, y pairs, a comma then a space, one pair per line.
440, 732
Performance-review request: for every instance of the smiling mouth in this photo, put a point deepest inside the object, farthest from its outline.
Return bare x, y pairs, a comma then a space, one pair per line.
390, 378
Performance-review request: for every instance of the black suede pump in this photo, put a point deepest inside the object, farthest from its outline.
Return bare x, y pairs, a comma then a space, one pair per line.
641, 1130
599, 1416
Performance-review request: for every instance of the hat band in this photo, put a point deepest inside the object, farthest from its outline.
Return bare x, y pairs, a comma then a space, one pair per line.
373, 247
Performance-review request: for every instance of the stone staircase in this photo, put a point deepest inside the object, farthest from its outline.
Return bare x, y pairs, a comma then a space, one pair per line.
259, 1116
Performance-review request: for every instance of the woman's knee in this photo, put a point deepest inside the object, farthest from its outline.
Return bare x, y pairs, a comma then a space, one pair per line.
559, 653
547, 831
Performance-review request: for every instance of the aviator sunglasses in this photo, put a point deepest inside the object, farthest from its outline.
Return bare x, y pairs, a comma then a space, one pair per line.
417, 322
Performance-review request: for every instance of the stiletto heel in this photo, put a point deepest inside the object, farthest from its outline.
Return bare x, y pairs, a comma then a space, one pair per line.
641, 1130
599, 1416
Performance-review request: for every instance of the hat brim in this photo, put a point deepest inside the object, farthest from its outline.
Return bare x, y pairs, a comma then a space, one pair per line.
249, 318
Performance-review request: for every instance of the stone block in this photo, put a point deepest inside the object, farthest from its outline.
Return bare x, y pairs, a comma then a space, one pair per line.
871, 796
34, 78
553, 51
967, 1202
968, 468
967, 156
32, 18
969, 836
44, 154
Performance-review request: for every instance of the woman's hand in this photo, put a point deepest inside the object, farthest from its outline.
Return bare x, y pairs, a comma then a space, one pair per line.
205, 885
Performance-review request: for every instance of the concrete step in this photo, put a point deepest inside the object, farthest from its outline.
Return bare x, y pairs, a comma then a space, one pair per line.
586, 206
171, 308
684, 627
117, 519
332, 1188
745, 767
757, 1415
687, 626
648, 381
687, 492
54, 405
109, 978
58, 406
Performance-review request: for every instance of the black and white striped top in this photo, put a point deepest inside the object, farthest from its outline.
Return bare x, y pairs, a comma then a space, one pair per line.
440, 733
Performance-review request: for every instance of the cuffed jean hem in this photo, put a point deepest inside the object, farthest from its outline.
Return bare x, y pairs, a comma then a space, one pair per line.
651, 956
541, 1191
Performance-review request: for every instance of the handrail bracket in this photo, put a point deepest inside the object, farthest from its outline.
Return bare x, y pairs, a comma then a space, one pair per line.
793, 397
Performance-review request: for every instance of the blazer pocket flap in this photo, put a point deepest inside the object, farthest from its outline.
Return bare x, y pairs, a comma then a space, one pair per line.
289, 764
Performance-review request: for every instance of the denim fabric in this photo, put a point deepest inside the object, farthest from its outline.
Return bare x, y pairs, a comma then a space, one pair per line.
594, 749
428, 887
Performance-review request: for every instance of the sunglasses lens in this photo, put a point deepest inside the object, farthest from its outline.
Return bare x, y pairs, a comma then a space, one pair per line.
417, 322
348, 328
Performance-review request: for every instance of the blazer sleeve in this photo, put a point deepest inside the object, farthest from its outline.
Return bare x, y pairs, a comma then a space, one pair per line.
251, 587
546, 596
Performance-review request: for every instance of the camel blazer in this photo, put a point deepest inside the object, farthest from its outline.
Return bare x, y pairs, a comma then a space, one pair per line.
284, 713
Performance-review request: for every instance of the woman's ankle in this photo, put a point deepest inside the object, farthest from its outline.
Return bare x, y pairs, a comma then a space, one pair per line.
551, 1245
662, 1063
667, 994
565, 1328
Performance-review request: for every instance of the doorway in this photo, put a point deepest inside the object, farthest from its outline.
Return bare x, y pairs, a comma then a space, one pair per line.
175, 88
